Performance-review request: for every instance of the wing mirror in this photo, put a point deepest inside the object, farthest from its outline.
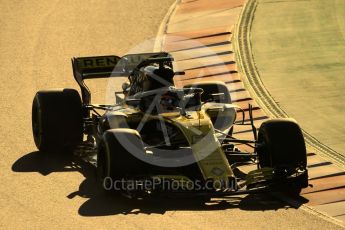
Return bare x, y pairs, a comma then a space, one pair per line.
133, 102
217, 97
180, 73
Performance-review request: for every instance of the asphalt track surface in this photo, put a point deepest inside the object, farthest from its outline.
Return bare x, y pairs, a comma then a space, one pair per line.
298, 48
37, 39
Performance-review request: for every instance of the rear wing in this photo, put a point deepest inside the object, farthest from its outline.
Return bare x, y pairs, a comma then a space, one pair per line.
94, 67
110, 66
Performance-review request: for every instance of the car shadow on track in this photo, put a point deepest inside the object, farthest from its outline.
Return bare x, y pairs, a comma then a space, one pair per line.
45, 164
103, 205
99, 203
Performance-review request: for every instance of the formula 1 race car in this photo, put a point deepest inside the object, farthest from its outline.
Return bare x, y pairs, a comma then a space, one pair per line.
156, 138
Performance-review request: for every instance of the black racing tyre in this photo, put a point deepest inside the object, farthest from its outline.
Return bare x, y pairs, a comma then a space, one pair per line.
211, 87
57, 123
282, 147
117, 156
282, 144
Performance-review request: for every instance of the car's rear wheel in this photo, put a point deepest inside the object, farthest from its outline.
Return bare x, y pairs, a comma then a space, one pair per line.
212, 87
57, 120
118, 157
282, 147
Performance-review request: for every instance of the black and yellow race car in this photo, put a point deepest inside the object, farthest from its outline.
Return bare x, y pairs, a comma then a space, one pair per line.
156, 138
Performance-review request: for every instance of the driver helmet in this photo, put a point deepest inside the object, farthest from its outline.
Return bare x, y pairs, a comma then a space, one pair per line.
156, 77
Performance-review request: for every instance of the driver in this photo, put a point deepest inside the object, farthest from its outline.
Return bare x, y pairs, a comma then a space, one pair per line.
169, 101
149, 78
156, 77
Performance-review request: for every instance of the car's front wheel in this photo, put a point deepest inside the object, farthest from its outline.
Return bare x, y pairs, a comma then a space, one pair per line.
119, 157
282, 147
